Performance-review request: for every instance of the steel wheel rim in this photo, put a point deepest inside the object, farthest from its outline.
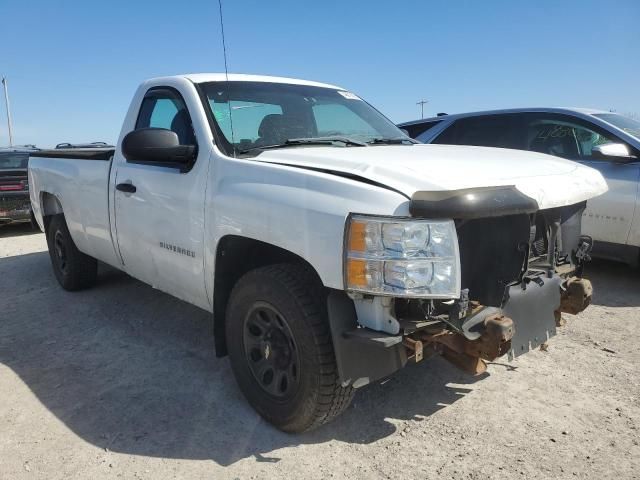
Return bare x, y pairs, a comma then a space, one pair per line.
60, 251
271, 351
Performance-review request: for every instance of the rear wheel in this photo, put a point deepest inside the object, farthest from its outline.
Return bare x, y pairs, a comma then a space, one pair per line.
280, 347
73, 269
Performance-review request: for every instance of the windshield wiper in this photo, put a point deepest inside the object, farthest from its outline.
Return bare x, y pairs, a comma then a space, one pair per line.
325, 141
292, 142
391, 141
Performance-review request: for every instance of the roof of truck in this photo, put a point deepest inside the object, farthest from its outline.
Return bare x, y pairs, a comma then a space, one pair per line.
241, 77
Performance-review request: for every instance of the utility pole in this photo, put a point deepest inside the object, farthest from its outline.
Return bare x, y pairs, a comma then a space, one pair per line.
422, 103
6, 100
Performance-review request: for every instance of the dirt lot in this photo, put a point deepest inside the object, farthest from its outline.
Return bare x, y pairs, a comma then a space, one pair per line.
121, 382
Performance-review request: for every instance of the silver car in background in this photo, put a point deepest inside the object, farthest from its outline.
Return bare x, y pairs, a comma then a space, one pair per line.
606, 141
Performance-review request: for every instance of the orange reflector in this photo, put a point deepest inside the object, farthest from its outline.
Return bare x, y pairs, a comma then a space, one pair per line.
356, 273
357, 233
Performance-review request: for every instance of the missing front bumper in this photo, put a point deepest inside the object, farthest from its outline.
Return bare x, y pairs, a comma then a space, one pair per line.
533, 307
526, 321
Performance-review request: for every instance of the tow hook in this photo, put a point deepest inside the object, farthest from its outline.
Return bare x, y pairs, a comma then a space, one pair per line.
575, 296
495, 340
469, 355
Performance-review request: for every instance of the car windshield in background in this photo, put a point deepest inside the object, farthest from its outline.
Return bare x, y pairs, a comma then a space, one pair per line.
629, 125
10, 160
257, 115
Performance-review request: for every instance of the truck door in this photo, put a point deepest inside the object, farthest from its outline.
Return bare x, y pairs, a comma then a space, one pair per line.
159, 220
608, 217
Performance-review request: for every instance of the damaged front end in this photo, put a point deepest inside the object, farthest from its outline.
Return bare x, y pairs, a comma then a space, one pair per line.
520, 269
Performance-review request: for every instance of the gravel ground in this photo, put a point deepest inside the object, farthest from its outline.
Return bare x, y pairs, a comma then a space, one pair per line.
121, 382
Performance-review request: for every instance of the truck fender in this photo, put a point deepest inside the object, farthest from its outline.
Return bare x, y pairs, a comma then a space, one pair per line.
49, 205
235, 256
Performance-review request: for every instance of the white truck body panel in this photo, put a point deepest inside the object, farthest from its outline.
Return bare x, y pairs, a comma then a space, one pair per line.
167, 207
551, 181
299, 210
80, 188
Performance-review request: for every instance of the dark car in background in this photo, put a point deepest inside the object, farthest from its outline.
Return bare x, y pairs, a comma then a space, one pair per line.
15, 205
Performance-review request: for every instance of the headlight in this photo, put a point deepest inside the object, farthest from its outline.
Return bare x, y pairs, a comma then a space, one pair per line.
402, 257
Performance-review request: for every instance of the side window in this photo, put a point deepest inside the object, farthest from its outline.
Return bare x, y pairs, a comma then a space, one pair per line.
502, 131
564, 136
163, 113
448, 135
166, 109
418, 129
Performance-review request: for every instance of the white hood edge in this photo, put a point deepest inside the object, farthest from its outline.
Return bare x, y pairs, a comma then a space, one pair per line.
550, 181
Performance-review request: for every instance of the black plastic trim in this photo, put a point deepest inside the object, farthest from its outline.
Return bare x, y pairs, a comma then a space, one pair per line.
103, 154
472, 203
361, 358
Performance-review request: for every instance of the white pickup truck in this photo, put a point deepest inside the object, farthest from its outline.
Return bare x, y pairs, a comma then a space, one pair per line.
330, 248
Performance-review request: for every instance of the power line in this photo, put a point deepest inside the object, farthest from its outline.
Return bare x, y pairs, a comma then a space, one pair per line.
422, 103
6, 99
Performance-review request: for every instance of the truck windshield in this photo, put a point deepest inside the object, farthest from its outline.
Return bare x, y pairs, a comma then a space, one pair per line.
10, 160
629, 125
256, 115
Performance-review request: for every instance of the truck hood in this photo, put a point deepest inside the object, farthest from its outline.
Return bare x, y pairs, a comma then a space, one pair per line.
550, 181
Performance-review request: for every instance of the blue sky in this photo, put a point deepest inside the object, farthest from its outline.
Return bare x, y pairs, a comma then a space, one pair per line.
73, 65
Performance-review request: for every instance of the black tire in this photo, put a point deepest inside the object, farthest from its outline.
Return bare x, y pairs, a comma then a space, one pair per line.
73, 269
294, 303
33, 221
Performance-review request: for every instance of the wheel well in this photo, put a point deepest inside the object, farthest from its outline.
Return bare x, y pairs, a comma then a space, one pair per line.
50, 206
236, 256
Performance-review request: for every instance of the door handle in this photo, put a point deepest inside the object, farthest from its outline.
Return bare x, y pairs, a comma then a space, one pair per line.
126, 187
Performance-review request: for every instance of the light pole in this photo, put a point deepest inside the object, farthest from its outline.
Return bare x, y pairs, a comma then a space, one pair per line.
6, 100
422, 103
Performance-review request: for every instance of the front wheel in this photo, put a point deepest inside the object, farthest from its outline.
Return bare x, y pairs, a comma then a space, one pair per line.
73, 269
280, 347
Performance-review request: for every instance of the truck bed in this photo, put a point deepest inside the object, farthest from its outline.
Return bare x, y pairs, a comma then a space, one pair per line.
81, 187
76, 153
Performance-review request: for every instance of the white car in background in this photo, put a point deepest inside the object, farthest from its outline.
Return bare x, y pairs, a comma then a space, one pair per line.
606, 141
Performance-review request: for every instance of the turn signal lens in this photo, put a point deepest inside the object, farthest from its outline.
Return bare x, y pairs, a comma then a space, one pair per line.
357, 236
357, 272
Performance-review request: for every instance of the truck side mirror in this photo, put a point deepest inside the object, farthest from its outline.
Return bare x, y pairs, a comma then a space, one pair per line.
156, 145
616, 152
